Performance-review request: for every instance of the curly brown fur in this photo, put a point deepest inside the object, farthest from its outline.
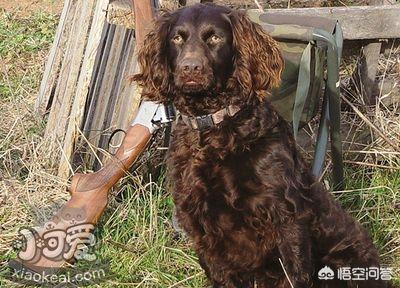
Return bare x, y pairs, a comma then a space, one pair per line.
242, 192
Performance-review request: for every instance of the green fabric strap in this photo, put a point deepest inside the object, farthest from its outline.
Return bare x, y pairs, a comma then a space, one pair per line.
303, 85
339, 41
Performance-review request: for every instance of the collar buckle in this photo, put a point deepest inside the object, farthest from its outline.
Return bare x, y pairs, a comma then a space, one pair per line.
204, 121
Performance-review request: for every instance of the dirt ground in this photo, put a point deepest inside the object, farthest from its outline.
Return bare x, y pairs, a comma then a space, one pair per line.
27, 7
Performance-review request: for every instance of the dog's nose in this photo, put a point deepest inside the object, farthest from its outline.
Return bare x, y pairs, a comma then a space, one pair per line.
190, 65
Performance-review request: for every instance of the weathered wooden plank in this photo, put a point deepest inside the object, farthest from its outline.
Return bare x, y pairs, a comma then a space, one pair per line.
114, 106
93, 128
66, 65
130, 91
358, 22
77, 58
85, 77
94, 93
103, 97
67, 80
127, 101
53, 62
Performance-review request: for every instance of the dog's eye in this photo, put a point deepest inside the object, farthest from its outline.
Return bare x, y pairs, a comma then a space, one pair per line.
214, 39
178, 39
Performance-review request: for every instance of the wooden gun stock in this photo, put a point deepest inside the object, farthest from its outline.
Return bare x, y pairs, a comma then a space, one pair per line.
89, 194
90, 191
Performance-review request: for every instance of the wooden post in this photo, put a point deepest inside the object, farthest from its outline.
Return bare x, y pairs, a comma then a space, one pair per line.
367, 66
365, 73
143, 18
358, 22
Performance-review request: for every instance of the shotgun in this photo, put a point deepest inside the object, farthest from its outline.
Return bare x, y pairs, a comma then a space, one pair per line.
89, 192
89, 196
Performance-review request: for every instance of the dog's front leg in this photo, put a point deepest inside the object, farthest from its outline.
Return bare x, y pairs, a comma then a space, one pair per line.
295, 256
220, 279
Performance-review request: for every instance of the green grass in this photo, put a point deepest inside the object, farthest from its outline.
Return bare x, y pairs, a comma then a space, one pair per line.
28, 35
373, 198
22, 41
138, 240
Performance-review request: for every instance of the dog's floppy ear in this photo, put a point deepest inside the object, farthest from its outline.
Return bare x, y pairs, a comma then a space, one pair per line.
152, 57
258, 60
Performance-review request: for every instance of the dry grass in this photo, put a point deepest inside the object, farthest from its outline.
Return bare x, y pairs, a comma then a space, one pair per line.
374, 131
136, 235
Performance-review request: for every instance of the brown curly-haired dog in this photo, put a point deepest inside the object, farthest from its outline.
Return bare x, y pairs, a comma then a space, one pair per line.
241, 190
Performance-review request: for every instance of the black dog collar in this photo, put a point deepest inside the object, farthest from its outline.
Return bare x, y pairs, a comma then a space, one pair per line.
206, 121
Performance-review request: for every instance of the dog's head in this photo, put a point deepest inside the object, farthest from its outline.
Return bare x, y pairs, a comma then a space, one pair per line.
204, 50
200, 53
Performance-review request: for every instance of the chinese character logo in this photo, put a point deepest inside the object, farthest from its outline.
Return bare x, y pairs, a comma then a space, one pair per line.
356, 273
326, 273
69, 236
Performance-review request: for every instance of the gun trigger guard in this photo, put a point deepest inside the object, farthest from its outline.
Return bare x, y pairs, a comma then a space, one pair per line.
110, 139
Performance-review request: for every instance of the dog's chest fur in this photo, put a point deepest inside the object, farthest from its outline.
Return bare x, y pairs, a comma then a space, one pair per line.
223, 200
